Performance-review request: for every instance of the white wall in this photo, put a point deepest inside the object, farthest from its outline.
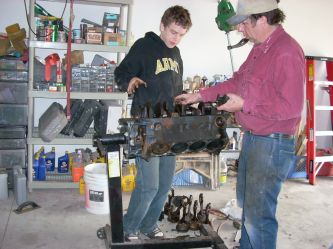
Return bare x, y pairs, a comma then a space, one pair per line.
204, 48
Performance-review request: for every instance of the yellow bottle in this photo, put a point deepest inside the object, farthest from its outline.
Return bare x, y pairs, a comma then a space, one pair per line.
82, 186
223, 172
128, 181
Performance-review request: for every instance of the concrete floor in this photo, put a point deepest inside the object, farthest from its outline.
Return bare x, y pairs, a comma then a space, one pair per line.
305, 218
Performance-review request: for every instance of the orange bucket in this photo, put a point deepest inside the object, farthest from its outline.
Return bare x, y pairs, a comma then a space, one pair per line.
77, 173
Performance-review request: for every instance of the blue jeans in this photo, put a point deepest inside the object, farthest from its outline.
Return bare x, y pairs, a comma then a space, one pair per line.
153, 182
263, 166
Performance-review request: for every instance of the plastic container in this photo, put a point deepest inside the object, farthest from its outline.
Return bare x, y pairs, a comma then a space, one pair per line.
128, 180
35, 168
52, 122
13, 132
63, 163
42, 168
77, 173
77, 170
223, 172
13, 93
50, 160
3, 186
20, 186
12, 114
17, 76
90, 109
96, 188
11, 63
8, 144
82, 186
11, 158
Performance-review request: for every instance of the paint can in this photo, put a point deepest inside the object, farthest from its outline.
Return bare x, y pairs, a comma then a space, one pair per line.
76, 34
61, 36
40, 33
54, 35
48, 33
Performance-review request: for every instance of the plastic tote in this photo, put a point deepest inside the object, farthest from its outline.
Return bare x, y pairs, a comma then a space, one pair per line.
96, 188
3, 186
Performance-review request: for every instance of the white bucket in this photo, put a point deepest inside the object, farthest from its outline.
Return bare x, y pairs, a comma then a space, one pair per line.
96, 188
3, 186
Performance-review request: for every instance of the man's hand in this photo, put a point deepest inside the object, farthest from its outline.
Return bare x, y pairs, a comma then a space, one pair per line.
188, 98
234, 104
134, 83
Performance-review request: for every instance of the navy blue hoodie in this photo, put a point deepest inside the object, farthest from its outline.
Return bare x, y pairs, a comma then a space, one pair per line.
159, 66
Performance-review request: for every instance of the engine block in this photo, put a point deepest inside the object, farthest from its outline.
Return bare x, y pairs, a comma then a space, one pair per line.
173, 135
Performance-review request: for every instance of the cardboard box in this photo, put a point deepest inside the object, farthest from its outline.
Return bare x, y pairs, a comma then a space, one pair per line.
94, 30
4, 46
112, 39
94, 38
76, 58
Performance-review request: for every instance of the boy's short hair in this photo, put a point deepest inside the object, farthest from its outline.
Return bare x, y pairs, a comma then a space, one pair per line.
177, 14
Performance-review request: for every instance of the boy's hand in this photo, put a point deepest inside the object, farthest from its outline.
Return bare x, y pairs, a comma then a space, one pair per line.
134, 83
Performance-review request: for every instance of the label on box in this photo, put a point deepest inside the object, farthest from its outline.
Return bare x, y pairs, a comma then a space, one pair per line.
94, 38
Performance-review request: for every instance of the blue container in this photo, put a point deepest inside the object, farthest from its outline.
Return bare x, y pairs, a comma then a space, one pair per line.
187, 177
35, 168
298, 168
42, 169
63, 163
50, 160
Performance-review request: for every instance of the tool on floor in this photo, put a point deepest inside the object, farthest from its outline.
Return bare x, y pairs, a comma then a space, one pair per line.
26, 207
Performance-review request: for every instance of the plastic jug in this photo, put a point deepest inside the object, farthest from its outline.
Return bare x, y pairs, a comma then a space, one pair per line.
42, 168
128, 180
63, 163
50, 160
77, 170
35, 167
223, 172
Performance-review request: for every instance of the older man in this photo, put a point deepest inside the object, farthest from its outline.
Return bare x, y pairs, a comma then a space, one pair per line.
266, 94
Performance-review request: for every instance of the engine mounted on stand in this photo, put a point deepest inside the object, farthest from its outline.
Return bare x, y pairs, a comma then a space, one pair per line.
157, 133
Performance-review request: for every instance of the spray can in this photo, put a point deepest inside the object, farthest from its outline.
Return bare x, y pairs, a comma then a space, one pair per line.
223, 172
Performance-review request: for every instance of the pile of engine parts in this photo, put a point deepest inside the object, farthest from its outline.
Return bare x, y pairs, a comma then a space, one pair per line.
191, 217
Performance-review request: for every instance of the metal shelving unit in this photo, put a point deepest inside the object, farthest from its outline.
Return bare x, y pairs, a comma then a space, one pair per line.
83, 47
33, 138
